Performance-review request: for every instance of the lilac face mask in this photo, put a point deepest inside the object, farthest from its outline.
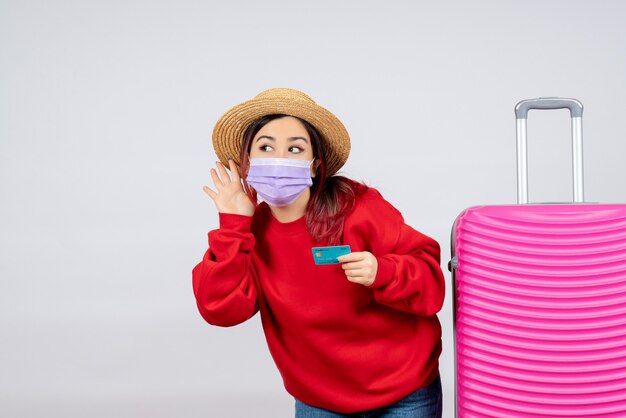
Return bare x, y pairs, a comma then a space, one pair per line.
279, 181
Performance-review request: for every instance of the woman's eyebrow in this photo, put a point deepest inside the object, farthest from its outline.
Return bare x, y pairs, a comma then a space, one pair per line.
295, 138
290, 139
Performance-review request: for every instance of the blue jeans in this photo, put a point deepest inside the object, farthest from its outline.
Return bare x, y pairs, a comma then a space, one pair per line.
423, 403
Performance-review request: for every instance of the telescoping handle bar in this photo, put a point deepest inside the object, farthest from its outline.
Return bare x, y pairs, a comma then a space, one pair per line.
521, 114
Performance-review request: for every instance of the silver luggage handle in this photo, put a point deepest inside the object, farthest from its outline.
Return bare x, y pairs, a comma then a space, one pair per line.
575, 107
521, 114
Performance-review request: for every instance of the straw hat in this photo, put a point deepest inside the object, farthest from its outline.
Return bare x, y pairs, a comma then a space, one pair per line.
230, 128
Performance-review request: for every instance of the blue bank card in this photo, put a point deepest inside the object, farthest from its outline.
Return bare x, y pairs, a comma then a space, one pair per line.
328, 255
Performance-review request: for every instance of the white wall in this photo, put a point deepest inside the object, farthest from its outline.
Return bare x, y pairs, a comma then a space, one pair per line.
106, 111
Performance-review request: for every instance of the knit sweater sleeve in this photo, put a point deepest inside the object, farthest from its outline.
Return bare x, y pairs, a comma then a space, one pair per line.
409, 276
224, 281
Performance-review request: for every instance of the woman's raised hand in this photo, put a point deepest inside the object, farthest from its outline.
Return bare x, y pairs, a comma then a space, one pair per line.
230, 196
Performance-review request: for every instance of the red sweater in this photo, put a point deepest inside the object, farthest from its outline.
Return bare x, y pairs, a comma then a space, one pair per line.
338, 345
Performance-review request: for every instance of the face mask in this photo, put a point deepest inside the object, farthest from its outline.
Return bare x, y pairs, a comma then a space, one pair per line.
279, 181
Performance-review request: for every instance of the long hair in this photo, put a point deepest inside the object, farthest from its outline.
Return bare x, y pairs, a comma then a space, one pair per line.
332, 198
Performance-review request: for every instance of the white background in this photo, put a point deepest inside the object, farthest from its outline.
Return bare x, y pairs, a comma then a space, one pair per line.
106, 112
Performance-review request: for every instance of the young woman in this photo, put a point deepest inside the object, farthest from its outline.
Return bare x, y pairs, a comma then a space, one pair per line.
355, 338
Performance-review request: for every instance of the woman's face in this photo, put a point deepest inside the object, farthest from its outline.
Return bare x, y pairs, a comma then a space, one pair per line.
283, 138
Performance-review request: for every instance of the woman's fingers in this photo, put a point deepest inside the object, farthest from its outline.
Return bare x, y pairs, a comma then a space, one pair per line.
226, 188
234, 171
359, 267
216, 179
348, 258
354, 273
352, 261
352, 266
210, 192
223, 173
362, 277
354, 269
228, 194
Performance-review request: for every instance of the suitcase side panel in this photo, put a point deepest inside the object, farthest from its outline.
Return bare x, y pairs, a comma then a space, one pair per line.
540, 311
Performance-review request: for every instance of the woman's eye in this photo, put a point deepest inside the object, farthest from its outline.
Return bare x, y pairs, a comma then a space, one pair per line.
295, 150
265, 148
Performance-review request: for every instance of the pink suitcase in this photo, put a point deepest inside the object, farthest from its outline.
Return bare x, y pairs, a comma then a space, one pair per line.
540, 300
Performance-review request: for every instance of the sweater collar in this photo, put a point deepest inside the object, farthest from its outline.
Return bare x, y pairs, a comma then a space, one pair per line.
293, 227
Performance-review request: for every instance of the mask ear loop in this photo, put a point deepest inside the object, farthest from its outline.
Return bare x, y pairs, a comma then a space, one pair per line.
314, 173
